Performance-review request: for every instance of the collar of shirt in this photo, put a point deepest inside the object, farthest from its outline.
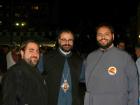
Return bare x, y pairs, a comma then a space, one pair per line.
65, 53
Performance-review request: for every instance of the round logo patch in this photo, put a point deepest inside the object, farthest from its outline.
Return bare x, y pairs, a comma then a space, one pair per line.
112, 70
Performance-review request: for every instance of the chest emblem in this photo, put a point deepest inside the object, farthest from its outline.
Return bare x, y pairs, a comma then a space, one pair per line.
65, 86
112, 70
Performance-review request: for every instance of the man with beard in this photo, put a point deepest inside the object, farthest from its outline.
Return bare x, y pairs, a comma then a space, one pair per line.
23, 84
110, 73
62, 72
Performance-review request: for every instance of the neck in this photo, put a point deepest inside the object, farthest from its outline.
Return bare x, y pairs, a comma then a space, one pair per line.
107, 48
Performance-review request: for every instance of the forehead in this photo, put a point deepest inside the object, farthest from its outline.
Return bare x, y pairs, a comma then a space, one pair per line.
104, 29
66, 35
32, 45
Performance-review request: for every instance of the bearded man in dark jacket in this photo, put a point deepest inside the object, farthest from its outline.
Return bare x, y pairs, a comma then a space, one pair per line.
62, 72
23, 84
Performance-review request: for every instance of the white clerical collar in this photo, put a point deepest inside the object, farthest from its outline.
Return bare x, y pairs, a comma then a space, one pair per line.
63, 52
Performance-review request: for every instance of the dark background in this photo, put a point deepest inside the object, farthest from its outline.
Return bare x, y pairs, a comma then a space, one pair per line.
81, 16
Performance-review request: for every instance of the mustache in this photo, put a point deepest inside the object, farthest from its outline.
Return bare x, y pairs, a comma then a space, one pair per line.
66, 45
103, 39
34, 57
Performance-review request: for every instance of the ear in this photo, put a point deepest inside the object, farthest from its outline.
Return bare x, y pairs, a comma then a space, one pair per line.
113, 36
58, 40
21, 52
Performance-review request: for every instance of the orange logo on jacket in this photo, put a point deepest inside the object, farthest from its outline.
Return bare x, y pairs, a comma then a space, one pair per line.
112, 70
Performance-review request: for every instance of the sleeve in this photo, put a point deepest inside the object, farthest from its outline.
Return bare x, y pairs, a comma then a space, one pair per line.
11, 93
8, 90
138, 67
82, 75
132, 76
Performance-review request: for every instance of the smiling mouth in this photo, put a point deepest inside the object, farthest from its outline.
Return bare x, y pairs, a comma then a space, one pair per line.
103, 41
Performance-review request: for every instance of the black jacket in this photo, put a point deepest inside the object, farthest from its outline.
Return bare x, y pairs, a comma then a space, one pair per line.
23, 85
53, 73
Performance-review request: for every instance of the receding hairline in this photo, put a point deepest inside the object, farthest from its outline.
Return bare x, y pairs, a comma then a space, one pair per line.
65, 31
26, 43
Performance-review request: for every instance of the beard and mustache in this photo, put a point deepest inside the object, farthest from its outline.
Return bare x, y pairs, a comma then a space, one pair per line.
32, 61
110, 42
66, 47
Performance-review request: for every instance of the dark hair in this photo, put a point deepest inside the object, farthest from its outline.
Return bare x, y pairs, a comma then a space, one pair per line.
105, 25
137, 45
24, 44
65, 30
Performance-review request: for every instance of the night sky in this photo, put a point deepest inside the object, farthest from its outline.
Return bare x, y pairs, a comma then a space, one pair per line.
88, 13
118, 11
79, 14
82, 16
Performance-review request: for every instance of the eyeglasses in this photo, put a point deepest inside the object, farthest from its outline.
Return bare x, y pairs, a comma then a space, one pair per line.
65, 40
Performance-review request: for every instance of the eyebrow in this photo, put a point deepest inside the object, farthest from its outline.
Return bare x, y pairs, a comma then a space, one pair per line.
32, 49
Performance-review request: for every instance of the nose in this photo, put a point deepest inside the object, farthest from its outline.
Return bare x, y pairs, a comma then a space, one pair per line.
67, 42
35, 53
103, 36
